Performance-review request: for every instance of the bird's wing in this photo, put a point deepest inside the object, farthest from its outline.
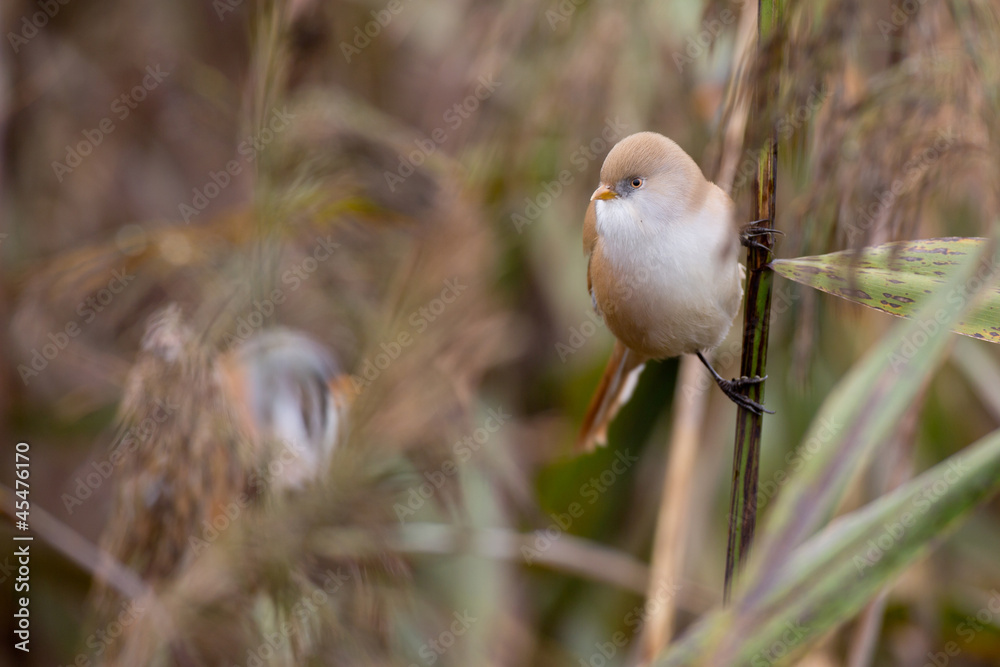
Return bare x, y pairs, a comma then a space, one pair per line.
590, 229
589, 241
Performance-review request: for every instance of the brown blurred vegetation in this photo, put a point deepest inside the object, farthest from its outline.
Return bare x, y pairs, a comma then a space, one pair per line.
496, 205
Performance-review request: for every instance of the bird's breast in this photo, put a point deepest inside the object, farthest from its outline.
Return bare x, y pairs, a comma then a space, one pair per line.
666, 289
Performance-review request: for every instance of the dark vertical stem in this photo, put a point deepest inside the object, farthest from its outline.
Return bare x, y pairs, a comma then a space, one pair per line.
757, 311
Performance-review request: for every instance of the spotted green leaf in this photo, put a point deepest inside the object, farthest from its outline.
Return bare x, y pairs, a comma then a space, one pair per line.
898, 278
807, 575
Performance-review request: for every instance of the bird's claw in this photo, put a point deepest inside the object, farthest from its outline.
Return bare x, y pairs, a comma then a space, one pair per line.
750, 230
731, 388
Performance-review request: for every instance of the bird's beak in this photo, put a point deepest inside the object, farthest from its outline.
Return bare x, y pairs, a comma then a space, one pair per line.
604, 192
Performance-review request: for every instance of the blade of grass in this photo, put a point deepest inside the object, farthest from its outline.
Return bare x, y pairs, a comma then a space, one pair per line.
833, 575
981, 371
861, 413
865, 639
667, 560
569, 553
897, 459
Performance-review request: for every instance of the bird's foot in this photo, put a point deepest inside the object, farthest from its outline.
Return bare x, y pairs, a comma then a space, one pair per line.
731, 388
750, 232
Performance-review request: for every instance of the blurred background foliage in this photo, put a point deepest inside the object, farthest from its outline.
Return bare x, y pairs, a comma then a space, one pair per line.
460, 141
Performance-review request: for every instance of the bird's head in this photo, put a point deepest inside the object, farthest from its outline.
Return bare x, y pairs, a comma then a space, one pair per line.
648, 177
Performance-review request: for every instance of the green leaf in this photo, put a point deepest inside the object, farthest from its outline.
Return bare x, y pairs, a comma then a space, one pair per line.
858, 416
860, 413
899, 278
833, 575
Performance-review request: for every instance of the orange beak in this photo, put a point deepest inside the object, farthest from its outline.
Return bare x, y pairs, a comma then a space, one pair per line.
604, 192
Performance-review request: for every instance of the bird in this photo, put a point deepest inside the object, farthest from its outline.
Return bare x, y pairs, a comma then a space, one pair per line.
663, 269
290, 391
207, 435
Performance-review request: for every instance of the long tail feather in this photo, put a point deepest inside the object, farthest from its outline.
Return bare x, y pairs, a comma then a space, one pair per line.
615, 389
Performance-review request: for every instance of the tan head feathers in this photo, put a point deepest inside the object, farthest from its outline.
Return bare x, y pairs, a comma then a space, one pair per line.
647, 154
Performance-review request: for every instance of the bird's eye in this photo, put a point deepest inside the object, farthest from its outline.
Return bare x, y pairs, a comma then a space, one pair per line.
637, 183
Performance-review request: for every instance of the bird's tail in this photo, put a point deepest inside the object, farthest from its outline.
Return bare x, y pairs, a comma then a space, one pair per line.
616, 386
